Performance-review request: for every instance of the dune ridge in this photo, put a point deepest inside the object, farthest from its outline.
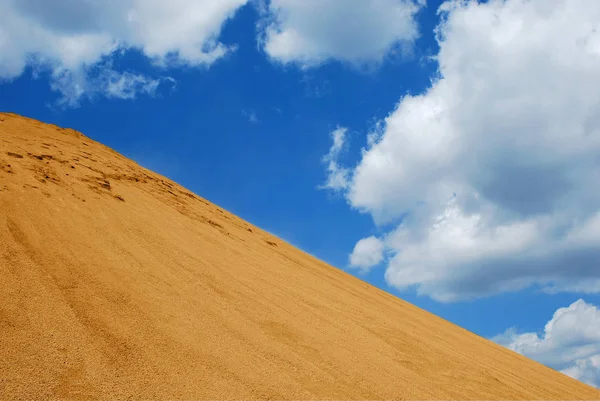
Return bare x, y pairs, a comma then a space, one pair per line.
117, 283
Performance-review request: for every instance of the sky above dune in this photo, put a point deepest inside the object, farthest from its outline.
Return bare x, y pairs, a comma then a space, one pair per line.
446, 152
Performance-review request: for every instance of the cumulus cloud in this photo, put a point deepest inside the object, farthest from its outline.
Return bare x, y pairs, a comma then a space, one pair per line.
368, 252
490, 175
73, 38
570, 342
310, 32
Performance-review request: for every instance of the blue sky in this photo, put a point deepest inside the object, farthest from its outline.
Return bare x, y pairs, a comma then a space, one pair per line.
469, 159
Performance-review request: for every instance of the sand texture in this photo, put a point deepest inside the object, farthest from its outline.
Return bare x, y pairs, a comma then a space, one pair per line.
117, 283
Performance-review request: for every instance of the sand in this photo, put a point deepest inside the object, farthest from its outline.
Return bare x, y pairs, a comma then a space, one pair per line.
117, 283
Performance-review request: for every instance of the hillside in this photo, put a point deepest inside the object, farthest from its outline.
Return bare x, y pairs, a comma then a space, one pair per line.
117, 283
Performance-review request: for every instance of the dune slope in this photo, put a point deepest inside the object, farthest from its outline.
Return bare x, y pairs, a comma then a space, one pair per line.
117, 283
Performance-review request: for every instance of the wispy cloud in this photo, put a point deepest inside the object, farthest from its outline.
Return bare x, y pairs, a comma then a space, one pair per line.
103, 80
338, 178
250, 115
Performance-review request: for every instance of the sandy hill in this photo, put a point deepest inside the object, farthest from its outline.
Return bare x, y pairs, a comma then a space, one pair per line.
117, 283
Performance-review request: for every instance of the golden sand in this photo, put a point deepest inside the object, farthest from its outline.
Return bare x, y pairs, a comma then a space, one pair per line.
117, 283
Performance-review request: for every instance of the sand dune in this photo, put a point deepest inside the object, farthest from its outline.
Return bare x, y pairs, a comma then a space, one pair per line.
117, 283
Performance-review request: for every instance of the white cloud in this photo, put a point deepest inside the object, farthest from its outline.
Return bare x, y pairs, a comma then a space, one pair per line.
74, 37
250, 115
127, 85
105, 81
310, 32
570, 342
497, 162
368, 252
337, 177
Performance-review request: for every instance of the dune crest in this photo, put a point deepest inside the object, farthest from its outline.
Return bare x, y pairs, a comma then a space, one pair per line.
117, 283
